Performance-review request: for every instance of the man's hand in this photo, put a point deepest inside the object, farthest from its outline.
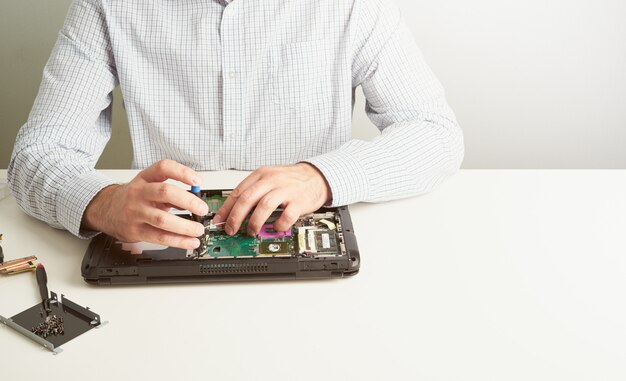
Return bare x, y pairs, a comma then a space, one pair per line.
299, 189
138, 211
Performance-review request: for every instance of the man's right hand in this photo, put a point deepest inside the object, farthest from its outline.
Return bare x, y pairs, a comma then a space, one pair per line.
138, 211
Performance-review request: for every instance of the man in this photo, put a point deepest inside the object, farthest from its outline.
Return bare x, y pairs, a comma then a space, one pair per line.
218, 84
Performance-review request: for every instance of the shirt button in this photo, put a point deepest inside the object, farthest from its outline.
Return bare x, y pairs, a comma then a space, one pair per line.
233, 74
232, 135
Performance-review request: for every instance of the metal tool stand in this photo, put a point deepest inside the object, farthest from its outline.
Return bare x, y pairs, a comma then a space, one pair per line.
77, 320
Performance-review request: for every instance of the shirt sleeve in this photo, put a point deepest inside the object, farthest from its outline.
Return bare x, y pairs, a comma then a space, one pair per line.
51, 172
420, 144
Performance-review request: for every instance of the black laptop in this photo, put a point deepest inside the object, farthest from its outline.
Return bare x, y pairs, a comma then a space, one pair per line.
319, 245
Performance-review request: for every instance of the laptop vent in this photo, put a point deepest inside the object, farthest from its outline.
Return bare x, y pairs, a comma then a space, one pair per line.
233, 268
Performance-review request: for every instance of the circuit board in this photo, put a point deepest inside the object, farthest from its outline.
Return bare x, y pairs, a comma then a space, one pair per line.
313, 235
214, 202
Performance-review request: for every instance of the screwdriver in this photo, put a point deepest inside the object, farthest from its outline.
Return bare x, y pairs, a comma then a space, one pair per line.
196, 191
42, 282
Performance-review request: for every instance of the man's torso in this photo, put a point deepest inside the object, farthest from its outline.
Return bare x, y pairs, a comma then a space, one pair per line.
217, 85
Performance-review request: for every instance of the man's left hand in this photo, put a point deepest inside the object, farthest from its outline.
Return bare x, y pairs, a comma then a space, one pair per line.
299, 189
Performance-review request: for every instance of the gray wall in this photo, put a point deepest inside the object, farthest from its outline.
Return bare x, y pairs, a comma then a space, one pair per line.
28, 30
535, 84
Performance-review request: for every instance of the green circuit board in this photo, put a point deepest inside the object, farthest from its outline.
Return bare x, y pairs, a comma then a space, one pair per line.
313, 235
214, 202
235, 246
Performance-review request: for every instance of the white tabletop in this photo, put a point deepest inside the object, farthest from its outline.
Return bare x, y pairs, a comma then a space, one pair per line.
497, 275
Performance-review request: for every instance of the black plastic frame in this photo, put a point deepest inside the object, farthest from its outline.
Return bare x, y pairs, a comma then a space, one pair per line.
105, 264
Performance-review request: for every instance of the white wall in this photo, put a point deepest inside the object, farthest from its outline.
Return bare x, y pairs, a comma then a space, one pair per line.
534, 83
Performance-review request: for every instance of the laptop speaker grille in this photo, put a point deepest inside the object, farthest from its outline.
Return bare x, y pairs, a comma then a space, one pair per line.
233, 268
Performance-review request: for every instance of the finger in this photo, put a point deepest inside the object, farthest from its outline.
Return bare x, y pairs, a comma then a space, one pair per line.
286, 220
245, 203
151, 234
172, 223
265, 207
171, 194
169, 169
166, 207
224, 211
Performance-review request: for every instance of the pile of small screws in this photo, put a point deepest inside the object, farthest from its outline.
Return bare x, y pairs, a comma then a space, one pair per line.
53, 325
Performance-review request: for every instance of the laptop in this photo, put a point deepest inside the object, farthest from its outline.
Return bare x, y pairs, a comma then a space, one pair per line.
319, 245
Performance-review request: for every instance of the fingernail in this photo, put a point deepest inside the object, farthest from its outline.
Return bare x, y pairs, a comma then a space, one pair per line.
200, 230
196, 181
217, 219
205, 209
251, 233
229, 230
196, 244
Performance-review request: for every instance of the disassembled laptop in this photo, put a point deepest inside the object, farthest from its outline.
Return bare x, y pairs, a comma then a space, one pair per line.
319, 245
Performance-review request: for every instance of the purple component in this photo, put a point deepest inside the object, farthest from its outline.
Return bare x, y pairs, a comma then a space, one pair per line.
267, 231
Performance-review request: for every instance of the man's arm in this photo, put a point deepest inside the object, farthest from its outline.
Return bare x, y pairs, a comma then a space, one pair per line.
52, 173
421, 143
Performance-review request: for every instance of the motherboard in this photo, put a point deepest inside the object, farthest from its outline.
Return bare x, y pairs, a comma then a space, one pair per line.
313, 235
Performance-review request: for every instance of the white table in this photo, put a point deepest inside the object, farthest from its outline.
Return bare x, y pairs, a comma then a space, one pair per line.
497, 275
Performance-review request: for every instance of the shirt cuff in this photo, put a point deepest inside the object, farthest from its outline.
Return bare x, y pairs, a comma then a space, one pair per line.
345, 176
73, 199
